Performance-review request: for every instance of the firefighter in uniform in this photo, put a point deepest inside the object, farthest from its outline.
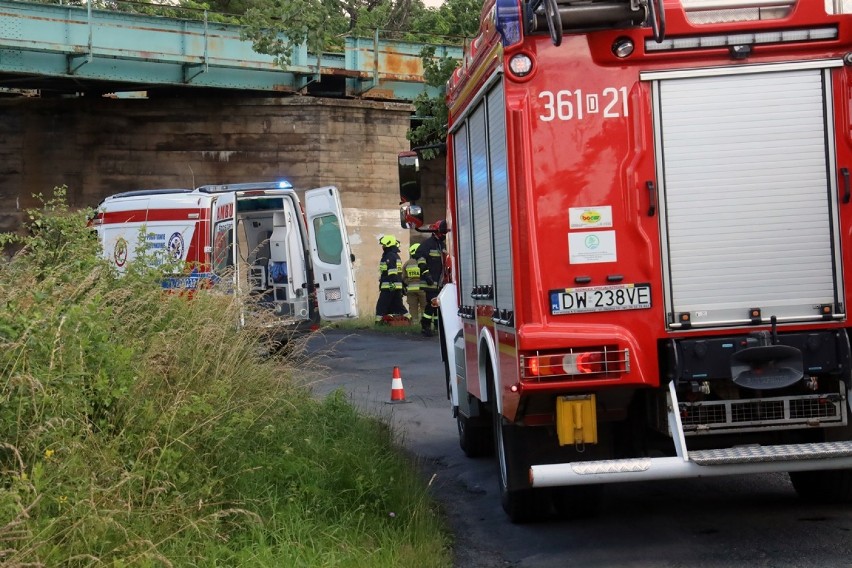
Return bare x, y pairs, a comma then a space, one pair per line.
430, 259
390, 303
412, 285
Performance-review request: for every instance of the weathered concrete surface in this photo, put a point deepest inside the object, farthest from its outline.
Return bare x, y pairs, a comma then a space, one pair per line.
100, 146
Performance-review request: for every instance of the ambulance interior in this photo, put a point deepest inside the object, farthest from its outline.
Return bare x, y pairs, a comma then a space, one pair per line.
270, 263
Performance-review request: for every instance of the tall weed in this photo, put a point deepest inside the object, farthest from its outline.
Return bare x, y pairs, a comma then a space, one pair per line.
147, 429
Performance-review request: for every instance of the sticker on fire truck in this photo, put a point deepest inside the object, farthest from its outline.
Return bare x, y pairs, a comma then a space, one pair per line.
590, 217
600, 299
591, 247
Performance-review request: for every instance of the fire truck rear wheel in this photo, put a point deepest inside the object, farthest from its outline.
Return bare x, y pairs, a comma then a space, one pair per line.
830, 486
521, 503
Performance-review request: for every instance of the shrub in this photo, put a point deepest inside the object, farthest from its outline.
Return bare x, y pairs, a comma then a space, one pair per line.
145, 428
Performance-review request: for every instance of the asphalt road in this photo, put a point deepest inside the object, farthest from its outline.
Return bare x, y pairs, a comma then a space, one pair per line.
754, 521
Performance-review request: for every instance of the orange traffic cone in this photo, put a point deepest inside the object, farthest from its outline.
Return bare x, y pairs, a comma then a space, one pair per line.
397, 392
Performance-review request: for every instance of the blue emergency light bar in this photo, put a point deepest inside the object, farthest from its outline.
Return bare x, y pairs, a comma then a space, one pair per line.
268, 185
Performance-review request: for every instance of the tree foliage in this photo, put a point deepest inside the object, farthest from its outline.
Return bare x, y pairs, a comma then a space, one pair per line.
431, 112
277, 27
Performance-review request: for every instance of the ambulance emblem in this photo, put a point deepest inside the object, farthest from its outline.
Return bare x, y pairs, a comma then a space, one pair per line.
119, 254
175, 246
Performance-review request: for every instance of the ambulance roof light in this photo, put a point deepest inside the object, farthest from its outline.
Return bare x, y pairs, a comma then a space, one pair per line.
246, 187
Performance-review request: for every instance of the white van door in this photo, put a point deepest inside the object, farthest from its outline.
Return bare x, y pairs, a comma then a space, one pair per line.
330, 254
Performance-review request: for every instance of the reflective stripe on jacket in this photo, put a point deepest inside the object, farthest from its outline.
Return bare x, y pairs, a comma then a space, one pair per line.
390, 270
430, 259
411, 275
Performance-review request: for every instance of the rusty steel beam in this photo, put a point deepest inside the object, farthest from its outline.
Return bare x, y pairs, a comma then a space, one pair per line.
79, 48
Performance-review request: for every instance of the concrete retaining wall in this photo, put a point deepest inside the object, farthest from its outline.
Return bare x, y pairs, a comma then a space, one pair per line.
101, 146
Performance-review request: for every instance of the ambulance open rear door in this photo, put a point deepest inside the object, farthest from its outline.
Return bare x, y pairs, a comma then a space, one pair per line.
330, 254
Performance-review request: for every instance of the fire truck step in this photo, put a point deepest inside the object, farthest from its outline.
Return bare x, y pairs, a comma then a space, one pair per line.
754, 454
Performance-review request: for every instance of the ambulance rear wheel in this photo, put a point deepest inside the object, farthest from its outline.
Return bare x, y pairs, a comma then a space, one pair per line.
829, 486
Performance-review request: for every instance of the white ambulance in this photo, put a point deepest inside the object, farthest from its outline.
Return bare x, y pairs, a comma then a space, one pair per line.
255, 239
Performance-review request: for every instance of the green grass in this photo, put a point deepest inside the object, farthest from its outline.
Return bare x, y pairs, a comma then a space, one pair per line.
139, 428
368, 323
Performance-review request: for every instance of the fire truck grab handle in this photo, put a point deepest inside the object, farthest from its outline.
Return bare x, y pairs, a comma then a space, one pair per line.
550, 10
652, 198
554, 21
846, 190
657, 15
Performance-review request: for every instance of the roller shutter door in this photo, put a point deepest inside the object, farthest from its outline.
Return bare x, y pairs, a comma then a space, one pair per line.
498, 162
746, 190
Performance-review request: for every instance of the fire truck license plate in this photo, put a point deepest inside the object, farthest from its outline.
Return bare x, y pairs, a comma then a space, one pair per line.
600, 299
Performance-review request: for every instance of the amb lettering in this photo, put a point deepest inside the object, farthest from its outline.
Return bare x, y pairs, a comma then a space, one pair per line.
225, 211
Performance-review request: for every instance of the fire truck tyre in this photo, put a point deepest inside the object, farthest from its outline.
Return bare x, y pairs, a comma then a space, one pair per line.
577, 502
475, 436
521, 503
829, 486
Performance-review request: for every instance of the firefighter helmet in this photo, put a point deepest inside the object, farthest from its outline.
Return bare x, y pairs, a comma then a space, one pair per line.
412, 250
440, 228
388, 241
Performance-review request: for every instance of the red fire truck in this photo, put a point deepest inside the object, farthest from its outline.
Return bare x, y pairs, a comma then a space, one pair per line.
651, 223
254, 239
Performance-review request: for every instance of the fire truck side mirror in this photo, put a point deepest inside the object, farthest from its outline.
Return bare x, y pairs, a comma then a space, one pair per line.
410, 216
409, 176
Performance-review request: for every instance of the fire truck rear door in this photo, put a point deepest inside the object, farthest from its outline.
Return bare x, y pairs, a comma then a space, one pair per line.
330, 254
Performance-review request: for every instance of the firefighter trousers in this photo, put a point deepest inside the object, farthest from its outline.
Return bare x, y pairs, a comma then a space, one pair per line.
390, 304
429, 321
416, 304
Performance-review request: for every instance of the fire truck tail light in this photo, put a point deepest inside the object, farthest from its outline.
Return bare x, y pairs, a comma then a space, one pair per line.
531, 368
583, 363
605, 361
520, 65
